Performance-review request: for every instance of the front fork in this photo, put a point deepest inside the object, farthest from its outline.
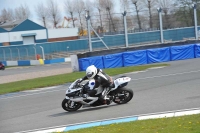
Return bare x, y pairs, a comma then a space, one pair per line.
69, 102
105, 93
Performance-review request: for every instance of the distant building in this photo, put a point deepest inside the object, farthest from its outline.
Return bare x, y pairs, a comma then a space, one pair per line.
22, 32
28, 32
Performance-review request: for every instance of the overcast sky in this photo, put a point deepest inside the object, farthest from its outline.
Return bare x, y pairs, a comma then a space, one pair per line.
32, 3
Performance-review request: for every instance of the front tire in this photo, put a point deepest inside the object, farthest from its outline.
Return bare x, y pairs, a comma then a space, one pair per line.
66, 105
123, 95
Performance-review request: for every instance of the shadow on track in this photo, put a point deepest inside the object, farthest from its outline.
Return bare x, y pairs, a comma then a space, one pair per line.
85, 109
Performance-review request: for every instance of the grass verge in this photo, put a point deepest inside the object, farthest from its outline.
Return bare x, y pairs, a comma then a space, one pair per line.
184, 124
64, 78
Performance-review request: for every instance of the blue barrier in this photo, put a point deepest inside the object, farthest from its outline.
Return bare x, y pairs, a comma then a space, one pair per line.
135, 58
35, 62
24, 63
113, 60
141, 57
197, 50
85, 62
182, 52
158, 55
59, 60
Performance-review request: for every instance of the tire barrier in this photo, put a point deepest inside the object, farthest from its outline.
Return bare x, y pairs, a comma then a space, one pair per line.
141, 57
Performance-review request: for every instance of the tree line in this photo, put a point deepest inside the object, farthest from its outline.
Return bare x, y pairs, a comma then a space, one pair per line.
141, 14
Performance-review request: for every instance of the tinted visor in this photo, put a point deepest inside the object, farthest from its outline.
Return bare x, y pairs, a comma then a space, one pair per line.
89, 75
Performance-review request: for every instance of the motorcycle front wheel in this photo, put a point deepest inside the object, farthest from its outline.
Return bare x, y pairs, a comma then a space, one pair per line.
123, 95
67, 105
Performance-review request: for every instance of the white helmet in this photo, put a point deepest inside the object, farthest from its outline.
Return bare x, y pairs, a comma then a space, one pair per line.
91, 71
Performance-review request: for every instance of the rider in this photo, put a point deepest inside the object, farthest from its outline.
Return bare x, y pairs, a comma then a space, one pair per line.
101, 79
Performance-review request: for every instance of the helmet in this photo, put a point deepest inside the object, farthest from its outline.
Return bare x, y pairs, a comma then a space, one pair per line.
91, 71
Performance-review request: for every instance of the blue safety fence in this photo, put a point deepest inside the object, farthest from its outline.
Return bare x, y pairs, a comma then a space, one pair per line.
182, 52
197, 50
158, 55
35, 62
141, 57
24, 63
113, 60
134, 58
58, 60
85, 62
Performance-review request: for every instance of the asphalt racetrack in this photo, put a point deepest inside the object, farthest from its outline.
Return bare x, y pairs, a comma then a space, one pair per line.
29, 69
170, 88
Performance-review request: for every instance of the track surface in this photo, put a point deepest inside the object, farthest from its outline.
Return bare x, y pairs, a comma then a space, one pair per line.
29, 69
157, 90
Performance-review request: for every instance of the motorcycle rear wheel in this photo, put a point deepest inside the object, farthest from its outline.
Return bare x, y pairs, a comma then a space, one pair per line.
123, 95
3, 68
66, 105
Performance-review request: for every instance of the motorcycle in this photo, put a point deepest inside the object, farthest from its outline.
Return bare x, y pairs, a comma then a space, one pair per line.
74, 99
2, 66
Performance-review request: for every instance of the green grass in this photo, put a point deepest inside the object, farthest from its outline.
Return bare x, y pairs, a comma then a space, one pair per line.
63, 78
184, 124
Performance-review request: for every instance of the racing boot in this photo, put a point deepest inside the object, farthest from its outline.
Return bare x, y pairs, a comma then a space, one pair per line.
109, 100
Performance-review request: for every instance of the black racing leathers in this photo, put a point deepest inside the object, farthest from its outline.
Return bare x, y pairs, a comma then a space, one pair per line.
101, 78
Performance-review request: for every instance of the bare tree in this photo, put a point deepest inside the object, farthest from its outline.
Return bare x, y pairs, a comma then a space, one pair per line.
54, 12
108, 6
79, 8
135, 2
89, 6
22, 12
7, 15
151, 6
167, 6
70, 8
98, 6
124, 5
184, 12
42, 13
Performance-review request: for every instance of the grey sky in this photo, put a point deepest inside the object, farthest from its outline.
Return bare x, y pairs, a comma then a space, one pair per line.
32, 3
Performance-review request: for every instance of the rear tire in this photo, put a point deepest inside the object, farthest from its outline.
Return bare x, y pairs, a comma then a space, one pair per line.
3, 68
66, 105
123, 95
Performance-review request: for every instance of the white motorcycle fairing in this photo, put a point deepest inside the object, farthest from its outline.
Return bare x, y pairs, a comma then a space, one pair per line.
120, 81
